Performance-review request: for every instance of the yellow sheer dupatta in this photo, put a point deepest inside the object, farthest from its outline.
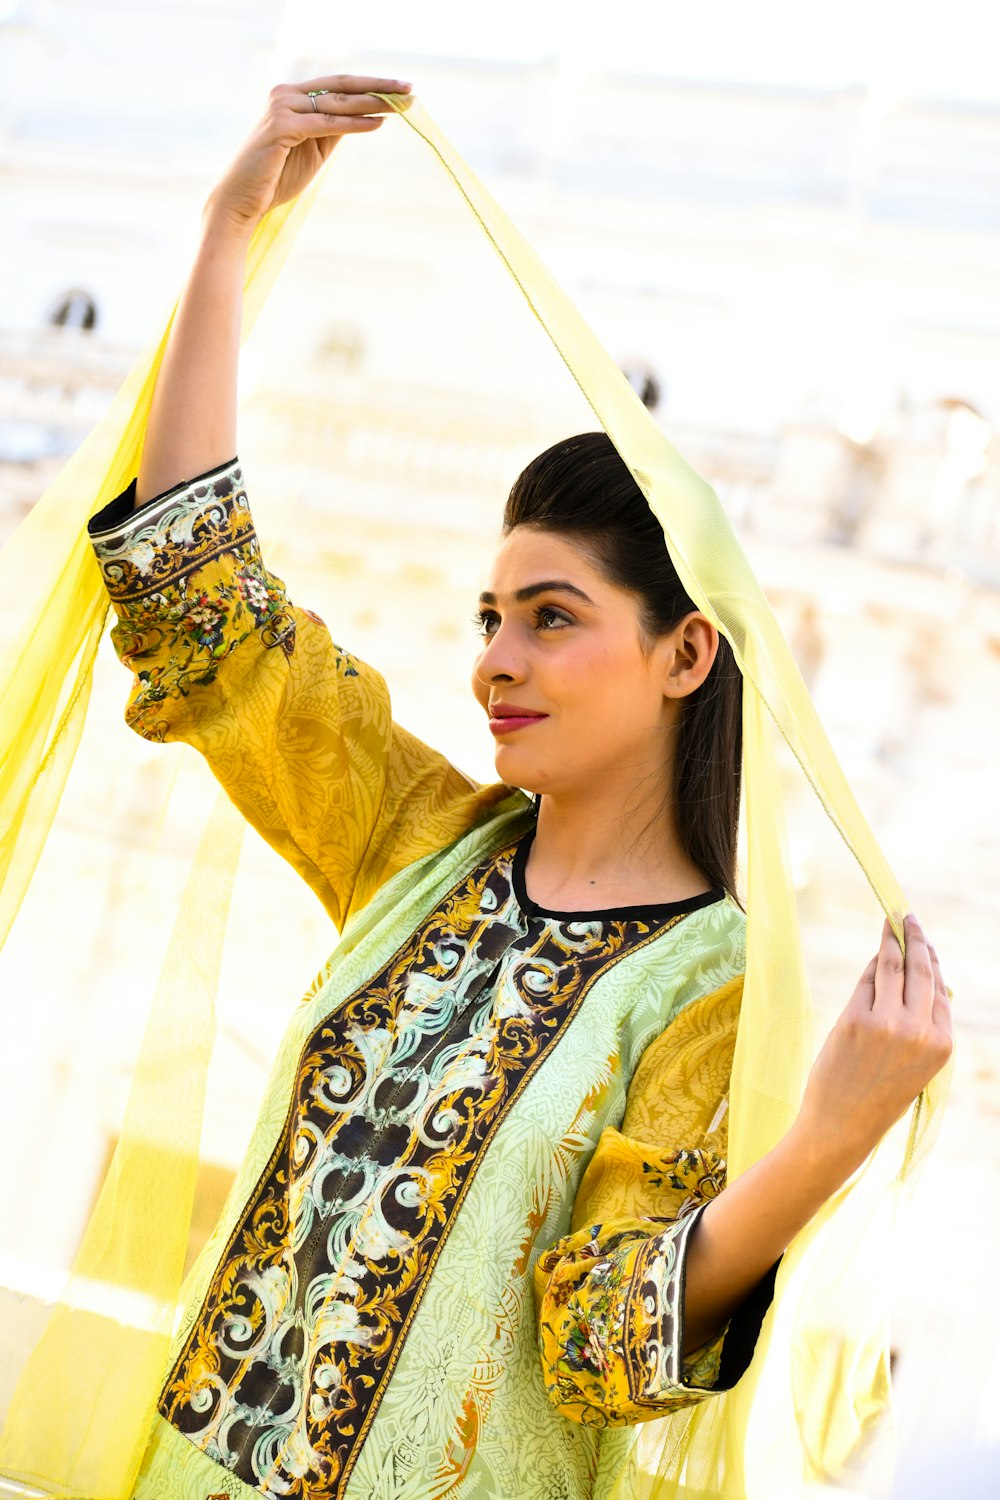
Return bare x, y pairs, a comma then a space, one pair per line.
814, 1394
78, 1421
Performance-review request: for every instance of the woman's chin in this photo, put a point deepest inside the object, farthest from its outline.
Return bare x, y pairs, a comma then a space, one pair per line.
518, 770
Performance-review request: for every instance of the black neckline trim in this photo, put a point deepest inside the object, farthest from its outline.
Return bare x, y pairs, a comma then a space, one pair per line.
654, 911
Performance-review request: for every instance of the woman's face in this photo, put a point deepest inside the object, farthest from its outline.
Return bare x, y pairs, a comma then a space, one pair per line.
573, 689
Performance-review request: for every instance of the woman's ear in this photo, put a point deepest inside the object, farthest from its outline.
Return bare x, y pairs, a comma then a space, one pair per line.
692, 647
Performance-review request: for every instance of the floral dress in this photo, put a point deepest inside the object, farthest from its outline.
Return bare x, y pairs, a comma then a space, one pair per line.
452, 1262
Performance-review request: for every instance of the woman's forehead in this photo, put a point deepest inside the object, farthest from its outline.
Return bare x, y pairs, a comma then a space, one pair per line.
529, 555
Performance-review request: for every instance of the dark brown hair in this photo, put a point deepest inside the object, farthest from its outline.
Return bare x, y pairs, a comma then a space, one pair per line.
582, 489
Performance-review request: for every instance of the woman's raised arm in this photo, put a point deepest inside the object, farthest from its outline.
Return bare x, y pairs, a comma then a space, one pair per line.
298, 732
192, 422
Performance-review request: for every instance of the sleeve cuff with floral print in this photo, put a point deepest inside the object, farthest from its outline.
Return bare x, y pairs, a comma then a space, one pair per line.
612, 1326
186, 578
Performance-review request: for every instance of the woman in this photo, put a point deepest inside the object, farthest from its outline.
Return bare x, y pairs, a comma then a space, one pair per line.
480, 1231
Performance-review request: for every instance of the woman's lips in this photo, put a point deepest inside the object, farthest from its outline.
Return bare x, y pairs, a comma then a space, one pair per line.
507, 723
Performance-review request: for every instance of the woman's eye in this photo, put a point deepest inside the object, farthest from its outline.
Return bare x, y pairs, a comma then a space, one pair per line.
546, 617
485, 621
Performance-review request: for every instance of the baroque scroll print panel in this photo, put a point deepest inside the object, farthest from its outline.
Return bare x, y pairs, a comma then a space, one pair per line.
397, 1096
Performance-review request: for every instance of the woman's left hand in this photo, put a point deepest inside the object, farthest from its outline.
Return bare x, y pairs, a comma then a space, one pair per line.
893, 1036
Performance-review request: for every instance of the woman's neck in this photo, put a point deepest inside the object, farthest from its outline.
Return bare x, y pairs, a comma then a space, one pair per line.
588, 853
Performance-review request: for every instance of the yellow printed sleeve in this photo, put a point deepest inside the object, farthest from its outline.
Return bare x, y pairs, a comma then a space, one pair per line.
611, 1294
299, 732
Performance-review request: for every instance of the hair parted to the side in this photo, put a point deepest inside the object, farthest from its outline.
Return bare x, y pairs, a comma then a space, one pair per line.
582, 489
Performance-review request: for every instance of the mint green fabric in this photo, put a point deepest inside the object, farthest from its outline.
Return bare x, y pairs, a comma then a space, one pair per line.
469, 1371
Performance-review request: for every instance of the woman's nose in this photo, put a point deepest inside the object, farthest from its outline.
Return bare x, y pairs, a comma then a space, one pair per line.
500, 660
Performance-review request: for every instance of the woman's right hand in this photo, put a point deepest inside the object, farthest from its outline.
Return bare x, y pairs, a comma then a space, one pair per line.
292, 141
192, 420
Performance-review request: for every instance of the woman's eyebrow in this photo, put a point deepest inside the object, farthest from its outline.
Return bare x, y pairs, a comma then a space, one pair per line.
550, 585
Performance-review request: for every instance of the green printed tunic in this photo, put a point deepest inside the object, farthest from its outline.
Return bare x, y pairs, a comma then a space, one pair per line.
452, 1261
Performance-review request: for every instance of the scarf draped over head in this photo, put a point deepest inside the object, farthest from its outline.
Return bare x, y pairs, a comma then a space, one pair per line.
810, 1408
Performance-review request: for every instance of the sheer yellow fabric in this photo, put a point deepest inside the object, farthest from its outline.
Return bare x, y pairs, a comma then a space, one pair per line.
811, 1404
115, 1318
813, 1397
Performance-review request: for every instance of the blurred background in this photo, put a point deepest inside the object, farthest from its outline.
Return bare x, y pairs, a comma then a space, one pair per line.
784, 223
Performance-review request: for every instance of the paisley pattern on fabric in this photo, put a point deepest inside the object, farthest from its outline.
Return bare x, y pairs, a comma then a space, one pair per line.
302, 736
693, 1063
397, 1096
609, 1294
679, 1094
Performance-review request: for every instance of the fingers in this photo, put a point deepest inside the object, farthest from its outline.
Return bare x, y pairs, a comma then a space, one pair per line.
324, 107
906, 983
918, 988
334, 112
291, 117
333, 103
889, 971
315, 123
942, 999
913, 983
347, 83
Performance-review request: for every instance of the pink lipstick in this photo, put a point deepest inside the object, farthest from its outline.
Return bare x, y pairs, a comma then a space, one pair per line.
505, 718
